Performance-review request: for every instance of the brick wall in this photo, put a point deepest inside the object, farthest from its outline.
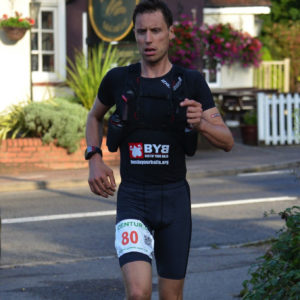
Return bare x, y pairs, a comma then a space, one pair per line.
30, 154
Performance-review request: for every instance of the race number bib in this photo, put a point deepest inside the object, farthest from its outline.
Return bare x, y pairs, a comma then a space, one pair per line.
133, 236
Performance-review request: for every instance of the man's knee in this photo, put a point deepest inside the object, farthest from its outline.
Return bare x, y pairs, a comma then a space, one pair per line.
139, 293
171, 295
170, 289
137, 278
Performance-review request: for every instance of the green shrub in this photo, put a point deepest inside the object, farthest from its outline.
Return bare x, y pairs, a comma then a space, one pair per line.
84, 76
276, 276
250, 118
57, 120
12, 121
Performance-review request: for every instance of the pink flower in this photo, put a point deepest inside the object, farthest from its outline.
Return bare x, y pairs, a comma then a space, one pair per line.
219, 43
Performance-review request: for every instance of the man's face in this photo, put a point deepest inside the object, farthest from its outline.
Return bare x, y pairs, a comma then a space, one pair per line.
153, 36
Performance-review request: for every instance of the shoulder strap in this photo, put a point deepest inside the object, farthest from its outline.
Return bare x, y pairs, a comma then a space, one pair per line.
131, 90
179, 93
129, 107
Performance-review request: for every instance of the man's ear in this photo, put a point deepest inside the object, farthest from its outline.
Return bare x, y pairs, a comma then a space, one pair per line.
171, 32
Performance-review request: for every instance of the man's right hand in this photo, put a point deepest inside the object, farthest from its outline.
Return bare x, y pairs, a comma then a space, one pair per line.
101, 177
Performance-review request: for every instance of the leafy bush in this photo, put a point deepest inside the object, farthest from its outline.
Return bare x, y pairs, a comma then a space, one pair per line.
276, 276
55, 120
58, 120
250, 117
85, 75
12, 121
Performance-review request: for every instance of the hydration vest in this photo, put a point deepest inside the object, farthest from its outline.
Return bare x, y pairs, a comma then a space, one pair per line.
129, 115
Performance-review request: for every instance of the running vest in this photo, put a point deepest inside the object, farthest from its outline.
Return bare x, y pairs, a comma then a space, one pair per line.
129, 115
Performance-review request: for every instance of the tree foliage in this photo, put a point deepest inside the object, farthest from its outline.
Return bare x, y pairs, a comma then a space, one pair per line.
280, 34
285, 10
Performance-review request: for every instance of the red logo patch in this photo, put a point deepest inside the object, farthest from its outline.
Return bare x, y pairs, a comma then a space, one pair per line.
136, 150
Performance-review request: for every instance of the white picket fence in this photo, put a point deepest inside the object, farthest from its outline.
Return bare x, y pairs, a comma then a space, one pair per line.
278, 119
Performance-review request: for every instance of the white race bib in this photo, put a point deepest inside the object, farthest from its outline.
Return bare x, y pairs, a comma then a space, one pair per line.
133, 236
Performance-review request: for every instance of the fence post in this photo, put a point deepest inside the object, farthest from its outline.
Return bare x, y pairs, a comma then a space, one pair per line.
260, 116
289, 119
274, 120
282, 132
286, 75
297, 118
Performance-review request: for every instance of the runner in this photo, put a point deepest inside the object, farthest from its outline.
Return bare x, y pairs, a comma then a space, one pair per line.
160, 107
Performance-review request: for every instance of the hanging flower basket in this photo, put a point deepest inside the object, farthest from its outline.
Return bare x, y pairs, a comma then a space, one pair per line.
14, 33
15, 27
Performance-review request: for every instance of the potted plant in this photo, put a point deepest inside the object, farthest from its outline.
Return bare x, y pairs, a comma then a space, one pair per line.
15, 27
249, 127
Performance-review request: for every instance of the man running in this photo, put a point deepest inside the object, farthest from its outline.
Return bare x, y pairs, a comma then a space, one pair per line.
153, 203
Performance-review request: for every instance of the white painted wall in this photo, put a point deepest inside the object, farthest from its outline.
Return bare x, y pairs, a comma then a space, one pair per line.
15, 74
44, 92
14, 59
241, 18
236, 76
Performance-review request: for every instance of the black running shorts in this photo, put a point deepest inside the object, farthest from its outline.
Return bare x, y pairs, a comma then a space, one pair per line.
155, 212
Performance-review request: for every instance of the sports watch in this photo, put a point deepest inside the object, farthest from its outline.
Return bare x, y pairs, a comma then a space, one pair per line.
91, 150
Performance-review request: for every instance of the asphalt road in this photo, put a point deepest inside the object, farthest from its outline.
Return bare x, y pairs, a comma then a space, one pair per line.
59, 244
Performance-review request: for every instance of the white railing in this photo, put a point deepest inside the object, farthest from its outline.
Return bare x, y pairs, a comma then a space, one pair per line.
273, 75
278, 118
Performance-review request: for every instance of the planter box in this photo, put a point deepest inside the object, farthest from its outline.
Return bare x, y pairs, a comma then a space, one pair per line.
249, 134
30, 154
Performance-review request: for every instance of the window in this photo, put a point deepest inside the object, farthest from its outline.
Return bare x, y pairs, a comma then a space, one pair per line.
213, 74
43, 43
48, 44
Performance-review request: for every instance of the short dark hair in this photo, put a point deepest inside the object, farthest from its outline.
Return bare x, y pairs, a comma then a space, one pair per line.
152, 6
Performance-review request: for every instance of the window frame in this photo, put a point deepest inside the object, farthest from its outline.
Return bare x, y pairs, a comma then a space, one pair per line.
217, 83
59, 39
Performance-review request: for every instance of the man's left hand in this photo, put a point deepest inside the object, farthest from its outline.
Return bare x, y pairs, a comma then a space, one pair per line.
193, 112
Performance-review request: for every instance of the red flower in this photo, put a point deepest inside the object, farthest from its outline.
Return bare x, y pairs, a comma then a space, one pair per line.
31, 21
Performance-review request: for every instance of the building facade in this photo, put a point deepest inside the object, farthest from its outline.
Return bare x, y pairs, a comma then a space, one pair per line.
34, 68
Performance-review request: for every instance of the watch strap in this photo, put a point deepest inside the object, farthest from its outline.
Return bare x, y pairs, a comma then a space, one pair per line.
91, 150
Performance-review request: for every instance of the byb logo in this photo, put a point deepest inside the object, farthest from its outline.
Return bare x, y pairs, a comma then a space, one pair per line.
140, 150
136, 150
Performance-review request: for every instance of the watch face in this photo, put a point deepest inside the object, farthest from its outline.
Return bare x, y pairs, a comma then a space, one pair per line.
91, 150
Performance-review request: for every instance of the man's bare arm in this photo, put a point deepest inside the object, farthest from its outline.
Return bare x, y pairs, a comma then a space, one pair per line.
209, 123
101, 177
